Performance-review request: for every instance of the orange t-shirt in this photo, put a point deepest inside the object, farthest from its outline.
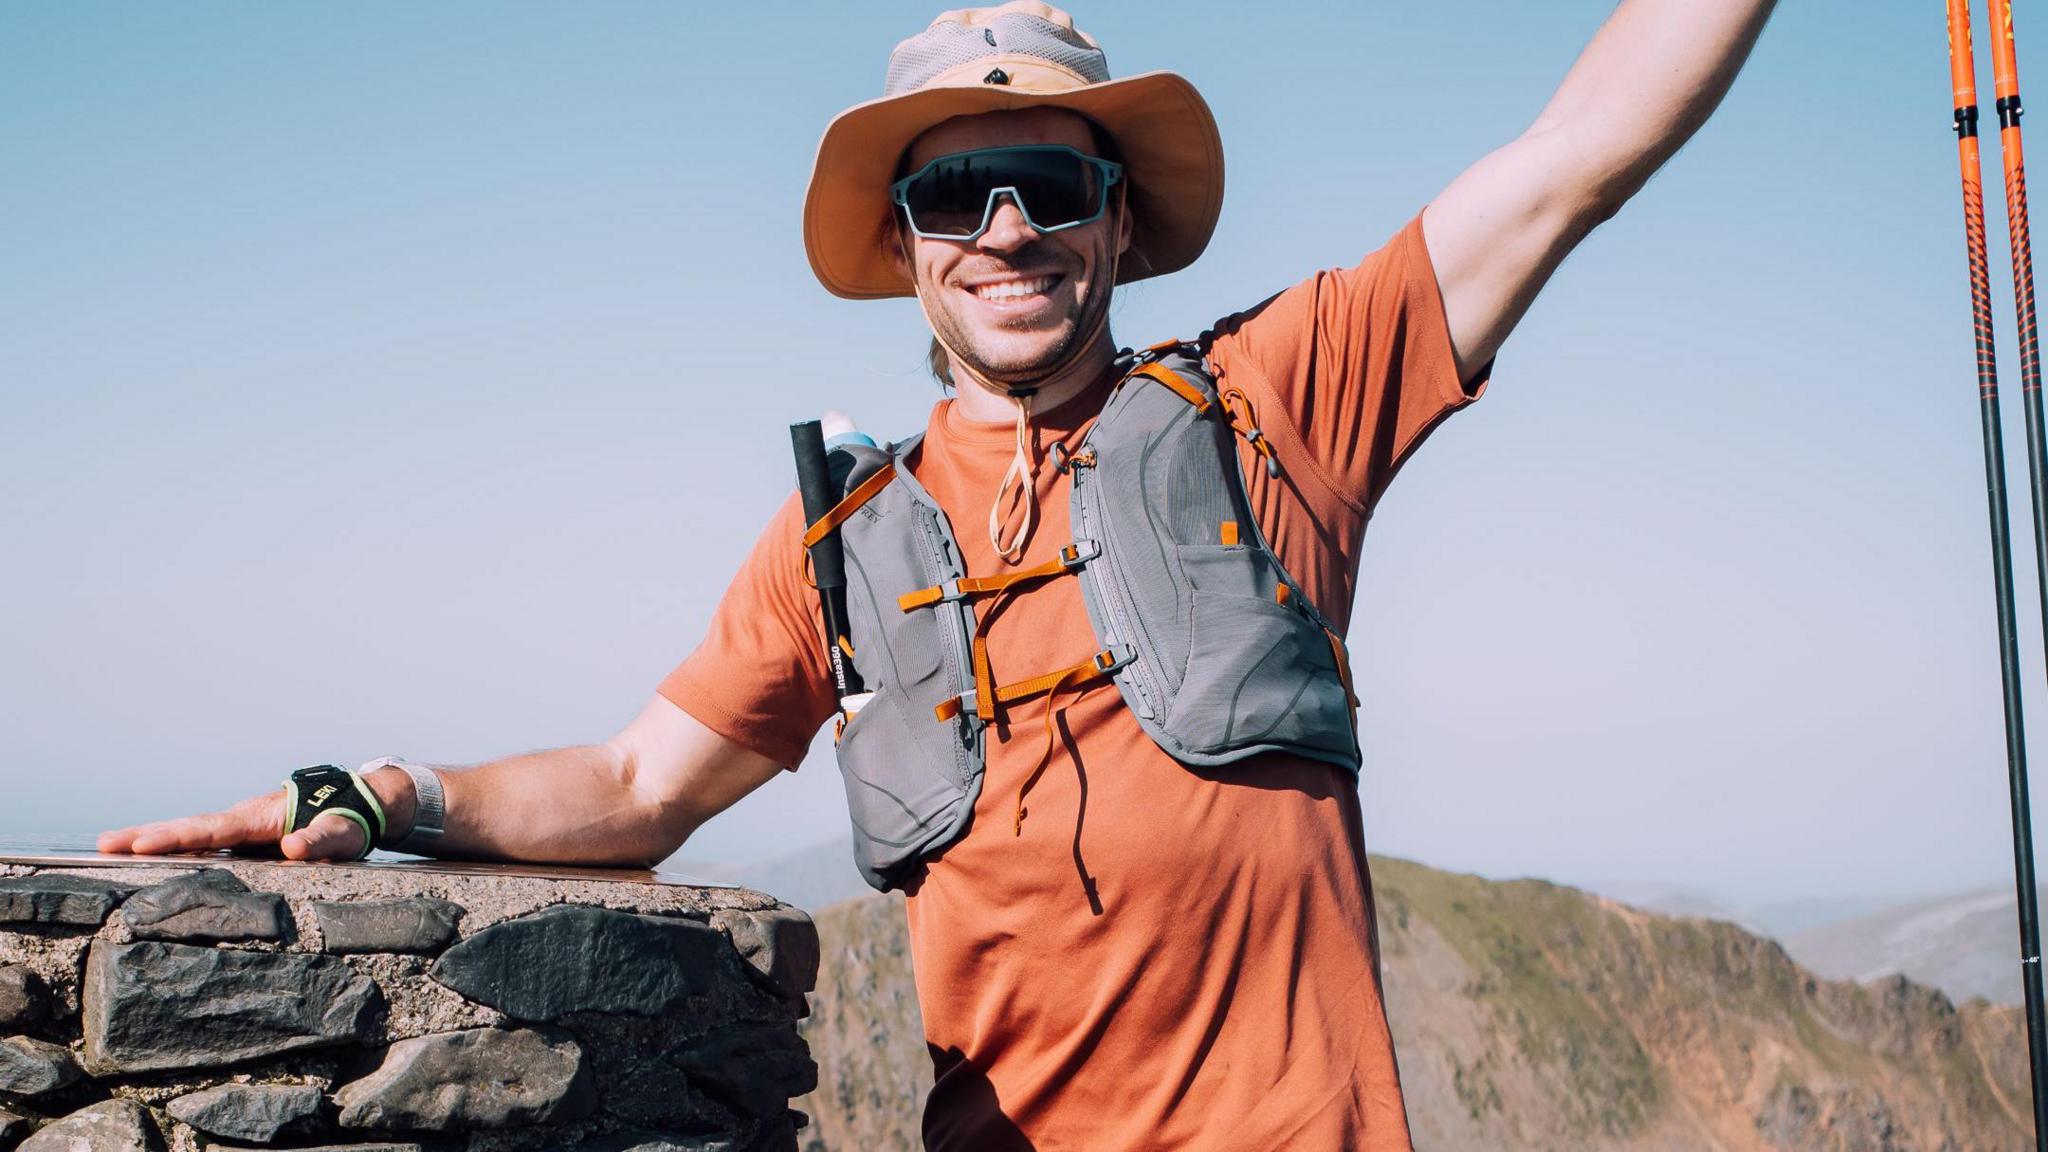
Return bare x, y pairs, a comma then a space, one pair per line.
1161, 957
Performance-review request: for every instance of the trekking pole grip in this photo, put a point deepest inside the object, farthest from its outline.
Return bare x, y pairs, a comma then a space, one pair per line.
814, 483
828, 556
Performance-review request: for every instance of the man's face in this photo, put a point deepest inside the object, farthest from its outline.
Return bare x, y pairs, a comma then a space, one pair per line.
970, 287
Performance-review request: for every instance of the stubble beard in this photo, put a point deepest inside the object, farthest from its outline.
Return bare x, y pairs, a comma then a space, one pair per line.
962, 342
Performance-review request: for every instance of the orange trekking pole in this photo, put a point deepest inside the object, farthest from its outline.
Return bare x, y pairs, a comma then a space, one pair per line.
1963, 74
2005, 73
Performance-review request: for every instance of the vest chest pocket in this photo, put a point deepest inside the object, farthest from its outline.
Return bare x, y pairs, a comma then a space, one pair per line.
1259, 670
892, 648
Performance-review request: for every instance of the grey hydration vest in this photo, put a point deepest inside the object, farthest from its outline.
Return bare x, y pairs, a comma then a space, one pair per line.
1212, 644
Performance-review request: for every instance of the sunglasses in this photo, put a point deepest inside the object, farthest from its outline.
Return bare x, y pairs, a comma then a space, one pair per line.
1055, 187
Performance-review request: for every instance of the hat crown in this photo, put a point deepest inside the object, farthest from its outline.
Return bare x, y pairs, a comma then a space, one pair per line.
1017, 56
1022, 30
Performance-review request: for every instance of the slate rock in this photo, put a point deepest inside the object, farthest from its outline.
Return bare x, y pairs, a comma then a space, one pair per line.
59, 898
573, 958
23, 999
211, 904
247, 1111
779, 945
478, 1078
779, 1134
378, 1147
33, 1067
109, 1126
650, 1142
754, 1071
418, 924
12, 1128
152, 1006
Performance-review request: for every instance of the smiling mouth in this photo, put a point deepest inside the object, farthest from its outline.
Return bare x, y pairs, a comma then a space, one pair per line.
1015, 291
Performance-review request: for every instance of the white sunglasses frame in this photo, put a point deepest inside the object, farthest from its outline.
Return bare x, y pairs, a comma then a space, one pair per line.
1112, 174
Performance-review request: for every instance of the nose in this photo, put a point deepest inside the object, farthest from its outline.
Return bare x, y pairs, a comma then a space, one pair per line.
1007, 228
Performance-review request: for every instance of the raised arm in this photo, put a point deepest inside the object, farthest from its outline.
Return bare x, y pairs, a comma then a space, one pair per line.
1646, 83
630, 801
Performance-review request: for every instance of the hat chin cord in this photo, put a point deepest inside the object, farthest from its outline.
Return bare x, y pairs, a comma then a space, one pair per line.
1023, 470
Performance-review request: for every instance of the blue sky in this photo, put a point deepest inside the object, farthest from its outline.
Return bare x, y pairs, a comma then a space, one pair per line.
385, 378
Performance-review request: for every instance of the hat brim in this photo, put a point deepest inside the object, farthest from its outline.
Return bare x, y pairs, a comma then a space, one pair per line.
1173, 163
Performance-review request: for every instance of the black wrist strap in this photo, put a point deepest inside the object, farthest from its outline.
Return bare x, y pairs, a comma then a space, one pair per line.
313, 792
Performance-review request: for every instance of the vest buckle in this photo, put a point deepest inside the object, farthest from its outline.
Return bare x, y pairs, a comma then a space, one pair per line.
1080, 552
1114, 657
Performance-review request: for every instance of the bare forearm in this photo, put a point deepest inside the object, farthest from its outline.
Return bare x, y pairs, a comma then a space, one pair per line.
566, 806
629, 801
1651, 76
1649, 79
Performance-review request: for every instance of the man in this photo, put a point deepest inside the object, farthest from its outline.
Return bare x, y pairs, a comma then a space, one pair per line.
1122, 948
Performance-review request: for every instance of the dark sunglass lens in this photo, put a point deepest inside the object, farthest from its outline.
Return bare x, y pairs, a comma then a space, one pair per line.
951, 197
1058, 187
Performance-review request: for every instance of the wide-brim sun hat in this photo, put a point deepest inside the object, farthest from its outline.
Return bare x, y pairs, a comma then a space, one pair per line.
1020, 55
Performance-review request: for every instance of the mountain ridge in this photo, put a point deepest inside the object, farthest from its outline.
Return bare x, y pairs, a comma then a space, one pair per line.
1861, 938
1529, 1015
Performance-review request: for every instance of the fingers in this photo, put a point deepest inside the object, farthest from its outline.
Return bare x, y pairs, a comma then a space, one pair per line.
254, 821
331, 836
190, 834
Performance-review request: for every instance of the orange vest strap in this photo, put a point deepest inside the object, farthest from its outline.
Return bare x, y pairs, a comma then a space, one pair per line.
1171, 379
1103, 663
1070, 559
1344, 672
839, 512
1075, 676
911, 601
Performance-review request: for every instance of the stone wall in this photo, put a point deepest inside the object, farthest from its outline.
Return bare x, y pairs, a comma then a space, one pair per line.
214, 1004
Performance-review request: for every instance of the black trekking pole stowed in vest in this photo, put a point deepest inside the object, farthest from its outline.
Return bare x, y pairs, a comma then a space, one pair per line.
828, 558
2006, 83
1963, 74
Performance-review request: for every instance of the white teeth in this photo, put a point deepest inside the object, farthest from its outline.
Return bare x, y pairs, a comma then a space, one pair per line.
1012, 289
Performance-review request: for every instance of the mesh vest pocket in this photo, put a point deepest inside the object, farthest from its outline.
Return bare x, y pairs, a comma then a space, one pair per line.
1229, 570
902, 789
1258, 672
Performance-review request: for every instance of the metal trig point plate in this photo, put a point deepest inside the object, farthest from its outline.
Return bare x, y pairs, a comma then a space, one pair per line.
62, 851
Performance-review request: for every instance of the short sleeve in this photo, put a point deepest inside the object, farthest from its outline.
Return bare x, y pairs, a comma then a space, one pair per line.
760, 678
1358, 359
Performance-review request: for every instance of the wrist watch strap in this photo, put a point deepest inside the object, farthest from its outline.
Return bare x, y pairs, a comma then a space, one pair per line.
430, 807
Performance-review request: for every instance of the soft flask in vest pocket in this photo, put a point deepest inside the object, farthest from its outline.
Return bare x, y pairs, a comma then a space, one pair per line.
1210, 642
